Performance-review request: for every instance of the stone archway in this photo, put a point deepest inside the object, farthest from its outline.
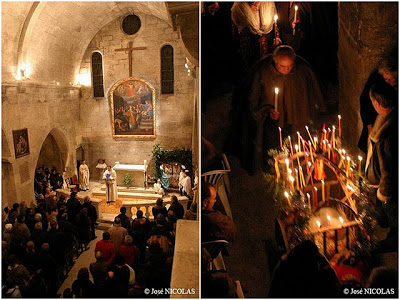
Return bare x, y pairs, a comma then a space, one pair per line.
8, 189
54, 151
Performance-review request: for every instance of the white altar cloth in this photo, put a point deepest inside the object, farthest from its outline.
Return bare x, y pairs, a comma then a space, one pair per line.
136, 171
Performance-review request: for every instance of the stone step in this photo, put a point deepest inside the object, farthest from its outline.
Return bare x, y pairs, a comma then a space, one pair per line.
139, 196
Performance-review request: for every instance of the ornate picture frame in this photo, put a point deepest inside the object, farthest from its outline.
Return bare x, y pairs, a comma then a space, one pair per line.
132, 102
21, 142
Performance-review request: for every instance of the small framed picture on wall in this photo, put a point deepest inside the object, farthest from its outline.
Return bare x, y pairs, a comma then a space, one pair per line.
21, 142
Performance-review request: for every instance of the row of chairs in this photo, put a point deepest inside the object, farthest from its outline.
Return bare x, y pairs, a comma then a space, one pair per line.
220, 179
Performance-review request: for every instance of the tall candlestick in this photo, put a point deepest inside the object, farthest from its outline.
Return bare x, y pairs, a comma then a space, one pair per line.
323, 190
299, 138
359, 165
276, 98
340, 126
280, 136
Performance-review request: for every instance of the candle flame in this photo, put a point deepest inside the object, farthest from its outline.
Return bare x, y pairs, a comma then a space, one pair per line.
296, 7
308, 195
315, 139
318, 223
287, 161
309, 163
290, 171
286, 194
306, 127
276, 91
291, 178
296, 147
328, 217
275, 18
315, 188
360, 158
339, 117
341, 220
333, 127
348, 158
280, 129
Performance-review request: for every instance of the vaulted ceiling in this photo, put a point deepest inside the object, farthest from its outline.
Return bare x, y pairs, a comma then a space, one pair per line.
50, 36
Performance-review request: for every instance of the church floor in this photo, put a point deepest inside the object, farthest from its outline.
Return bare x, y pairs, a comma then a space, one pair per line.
84, 260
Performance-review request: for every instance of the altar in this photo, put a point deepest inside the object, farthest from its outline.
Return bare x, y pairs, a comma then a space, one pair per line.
136, 171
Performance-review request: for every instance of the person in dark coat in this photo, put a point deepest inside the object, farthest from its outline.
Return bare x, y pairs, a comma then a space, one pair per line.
82, 287
84, 226
382, 160
56, 240
176, 207
92, 214
387, 71
304, 273
125, 222
73, 207
214, 224
159, 208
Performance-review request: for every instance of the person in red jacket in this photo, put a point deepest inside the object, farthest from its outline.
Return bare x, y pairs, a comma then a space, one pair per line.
107, 248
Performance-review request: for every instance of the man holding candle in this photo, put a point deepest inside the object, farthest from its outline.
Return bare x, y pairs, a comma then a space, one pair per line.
298, 99
382, 158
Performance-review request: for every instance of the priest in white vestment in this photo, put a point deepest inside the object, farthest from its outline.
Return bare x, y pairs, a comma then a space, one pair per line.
84, 176
187, 185
110, 178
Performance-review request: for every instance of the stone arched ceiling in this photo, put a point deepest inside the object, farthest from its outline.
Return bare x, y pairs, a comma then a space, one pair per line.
49, 38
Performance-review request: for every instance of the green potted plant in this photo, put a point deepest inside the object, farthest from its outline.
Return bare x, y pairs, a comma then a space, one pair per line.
127, 180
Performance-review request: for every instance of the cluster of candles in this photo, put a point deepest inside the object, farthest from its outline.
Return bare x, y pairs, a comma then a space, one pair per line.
329, 144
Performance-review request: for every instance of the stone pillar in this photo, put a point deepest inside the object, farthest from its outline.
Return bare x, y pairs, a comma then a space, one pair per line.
367, 30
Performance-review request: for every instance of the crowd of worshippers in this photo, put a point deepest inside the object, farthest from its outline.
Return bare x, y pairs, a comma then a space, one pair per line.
45, 179
39, 245
217, 230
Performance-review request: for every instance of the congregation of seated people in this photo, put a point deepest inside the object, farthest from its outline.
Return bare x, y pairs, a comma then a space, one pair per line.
39, 246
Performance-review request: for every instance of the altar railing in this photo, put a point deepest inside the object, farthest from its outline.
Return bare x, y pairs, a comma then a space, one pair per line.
146, 205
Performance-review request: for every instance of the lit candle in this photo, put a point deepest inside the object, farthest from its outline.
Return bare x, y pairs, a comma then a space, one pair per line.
290, 144
315, 142
291, 178
288, 200
333, 137
318, 224
280, 136
359, 165
323, 190
308, 133
341, 220
276, 98
309, 200
329, 220
340, 126
295, 18
316, 196
275, 19
324, 134
296, 147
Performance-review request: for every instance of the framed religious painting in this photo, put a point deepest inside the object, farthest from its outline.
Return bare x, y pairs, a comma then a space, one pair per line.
21, 142
132, 108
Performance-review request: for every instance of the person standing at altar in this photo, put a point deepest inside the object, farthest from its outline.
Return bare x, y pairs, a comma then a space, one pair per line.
110, 177
84, 176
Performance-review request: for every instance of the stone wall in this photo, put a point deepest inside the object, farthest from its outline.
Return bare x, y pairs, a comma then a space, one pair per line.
43, 110
367, 30
174, 113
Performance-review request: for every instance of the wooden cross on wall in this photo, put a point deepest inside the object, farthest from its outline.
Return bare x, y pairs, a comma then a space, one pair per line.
130, 49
